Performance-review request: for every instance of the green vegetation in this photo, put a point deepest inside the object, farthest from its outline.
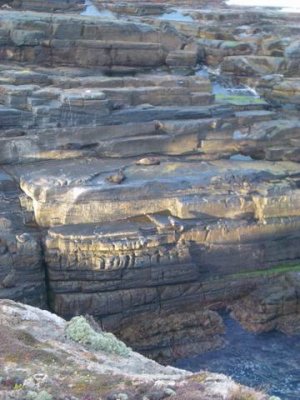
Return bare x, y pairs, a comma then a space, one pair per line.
199, 378
43, 395
18, 386
80, 331
238, 100
93, 384
231, 44
278, 269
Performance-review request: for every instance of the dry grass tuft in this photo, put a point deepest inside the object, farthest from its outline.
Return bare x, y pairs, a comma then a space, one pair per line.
243, 393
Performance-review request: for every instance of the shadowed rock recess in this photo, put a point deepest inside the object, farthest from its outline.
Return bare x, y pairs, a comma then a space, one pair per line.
150, 170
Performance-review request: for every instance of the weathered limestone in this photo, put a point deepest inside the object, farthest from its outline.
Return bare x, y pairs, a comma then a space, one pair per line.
61, 198
38, 354
153, 195
214, 51
83, 42
196, 127
22, 274
250, 43
161, 268
166, 336
48, 5
134, 8
274, 305
254, 65
85, 101
150, 8
280, 90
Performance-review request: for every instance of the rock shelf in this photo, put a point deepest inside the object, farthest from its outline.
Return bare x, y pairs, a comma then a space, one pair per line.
214, 222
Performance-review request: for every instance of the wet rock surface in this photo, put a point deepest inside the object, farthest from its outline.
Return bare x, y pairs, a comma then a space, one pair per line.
143, 175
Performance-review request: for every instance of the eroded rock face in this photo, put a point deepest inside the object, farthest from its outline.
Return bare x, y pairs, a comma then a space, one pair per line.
280, 90
272, 306
79, 41
217, 190
152, 199
22, 275
167, 336
37, 355
48, 5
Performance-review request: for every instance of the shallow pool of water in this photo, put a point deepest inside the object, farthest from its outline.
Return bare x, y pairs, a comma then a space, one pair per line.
92, 10
176, 15
220, 86
269, 361
241, 157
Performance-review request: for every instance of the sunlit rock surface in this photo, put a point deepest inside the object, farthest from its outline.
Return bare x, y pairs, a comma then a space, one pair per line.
142, 181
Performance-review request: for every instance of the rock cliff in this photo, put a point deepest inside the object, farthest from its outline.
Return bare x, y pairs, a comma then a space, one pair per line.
137, 184
40, 359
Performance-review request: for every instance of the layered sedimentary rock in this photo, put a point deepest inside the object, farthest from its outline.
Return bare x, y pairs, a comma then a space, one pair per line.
80, 41
191, 189
280, 90
272, 306
48, 5
152, 194
39, 359
22, 275
167, 337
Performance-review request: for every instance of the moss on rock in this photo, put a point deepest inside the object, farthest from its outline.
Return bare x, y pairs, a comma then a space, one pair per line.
239, 100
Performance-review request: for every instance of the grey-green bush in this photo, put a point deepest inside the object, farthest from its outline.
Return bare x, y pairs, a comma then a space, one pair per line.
43, 395
80, 331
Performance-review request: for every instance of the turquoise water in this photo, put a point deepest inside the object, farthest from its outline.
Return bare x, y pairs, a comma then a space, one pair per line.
223, 85
269, 361
92, 10
176, 15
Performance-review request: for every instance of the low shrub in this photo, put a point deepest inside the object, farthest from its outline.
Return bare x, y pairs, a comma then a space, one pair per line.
43, 395
80, 331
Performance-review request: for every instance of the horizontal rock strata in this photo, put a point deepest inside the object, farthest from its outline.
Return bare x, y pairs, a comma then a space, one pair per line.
274, 305
22, 275
49, 5
151, 191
